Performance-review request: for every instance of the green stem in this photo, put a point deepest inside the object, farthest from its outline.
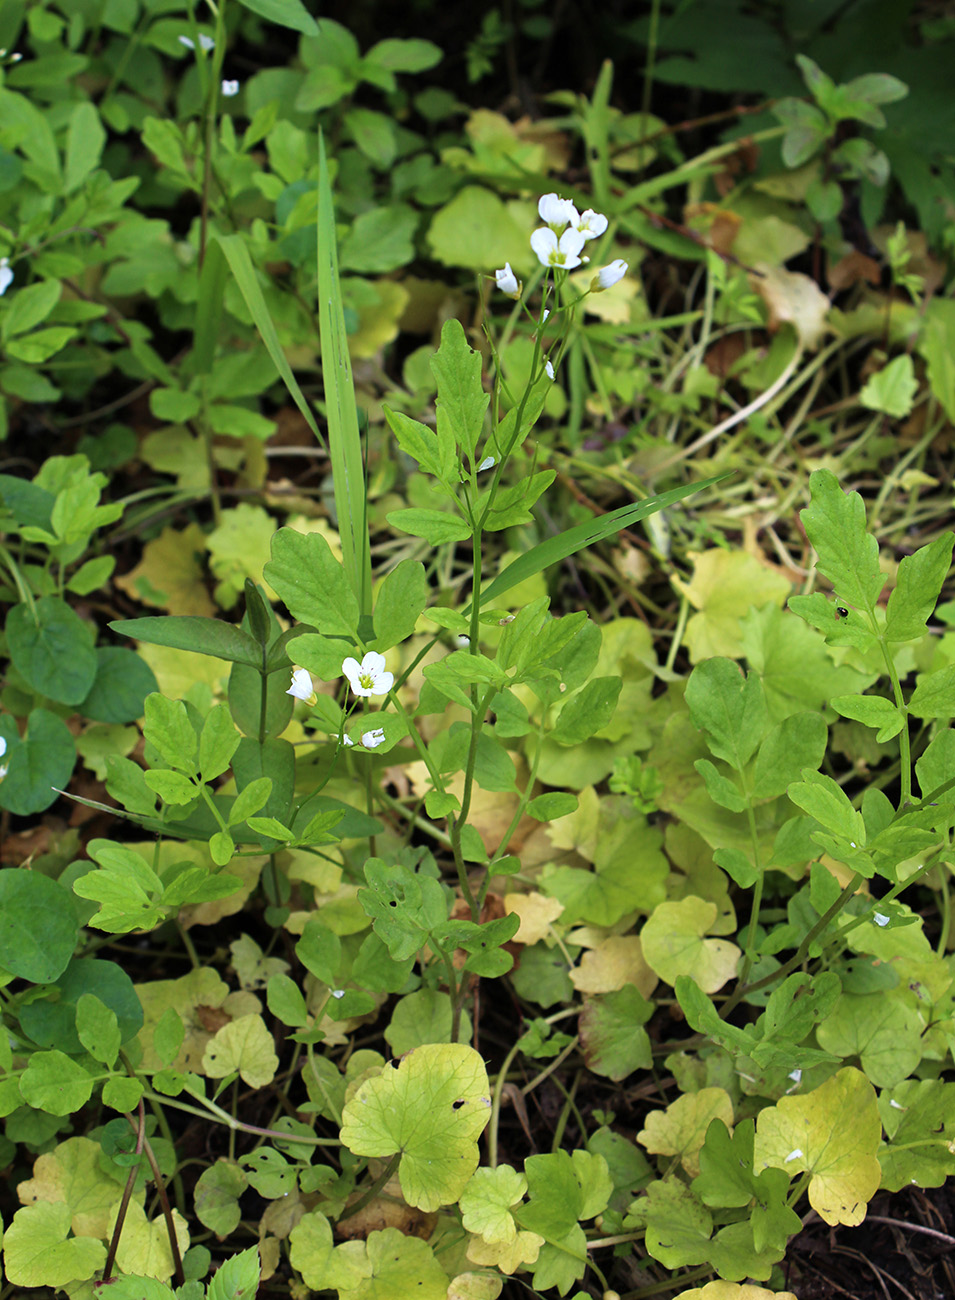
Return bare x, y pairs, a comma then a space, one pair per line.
496, 1096
371, 1192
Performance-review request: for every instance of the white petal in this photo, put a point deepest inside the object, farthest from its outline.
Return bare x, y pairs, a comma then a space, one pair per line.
301, 688
544, 244
230, 88
880, 918
556, 211
550, 369
372, 739
608, 276
507, 280
591, 224
3, 746
486, 463
794, 1155
6, 275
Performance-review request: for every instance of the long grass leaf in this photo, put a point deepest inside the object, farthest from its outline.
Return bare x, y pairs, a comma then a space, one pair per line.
558, 548
348, 470
237, 255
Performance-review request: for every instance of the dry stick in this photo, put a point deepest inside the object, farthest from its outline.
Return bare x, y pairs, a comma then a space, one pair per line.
911, 1227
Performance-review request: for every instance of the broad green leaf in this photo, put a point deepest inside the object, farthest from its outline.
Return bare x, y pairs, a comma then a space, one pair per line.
98, 1029
880, 1029
798, 741
404, 907
556, 1195
892, 389
51, 647
721, 790
39, 764
826, 801
733, 1291
404, 55
425, 1016
431, 1109
125, 888
52, 1021
725, 587
919, 1121
120, 687
250, 800
168, 729
204, 636
312, 582
218, 741
401, 599
319, 950
872, 710
246, 1046
681, 1129
382, 239
84, 144
415, 440
286, 1002
588, 712
436, 526
673, 944
321, 1263
293, 14
847, 555
55, 1083
461, 402
562, 1261
917, 588
238, 1277
39, 1252
934, 696
832, 1133
38, 926
612, 1036
172, 787
217, 1194
728, 708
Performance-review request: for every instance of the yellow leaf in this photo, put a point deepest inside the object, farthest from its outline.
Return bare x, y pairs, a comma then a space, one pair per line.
673, 944
792, 298
537, 914
617, 961
832, 1133
144, 1246
244, 1045
680, 1130
70, 1174
733, 1291
725, 586
170, 574
506, 1255
203, 1002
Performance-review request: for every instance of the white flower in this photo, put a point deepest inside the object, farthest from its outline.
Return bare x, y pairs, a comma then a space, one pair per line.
230, 88
302, 687
205, 41
880, 918
338, 993
508, 282
591, 224
608, 276
795, 1154
463, 641
368, 677
563, 252
486, 463
372, 739
6, 275
550, 369
346, 740
795, 1075
557, 212
545, 315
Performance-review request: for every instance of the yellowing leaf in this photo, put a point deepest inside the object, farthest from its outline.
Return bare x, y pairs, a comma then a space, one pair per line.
400, 1266
475, 1286
71, 1175
204, 1004
680, 1130
537, 914
170, 574
733, 1291
38, 1252
244, 1045
724, 587
239, 548
486, 1202
320, 1262
673, 944
617, 961
832, 1133
506, 1255
792, 297
431, 1108
144, 1246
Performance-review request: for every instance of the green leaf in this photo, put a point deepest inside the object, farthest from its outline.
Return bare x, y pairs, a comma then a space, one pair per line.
286, 1002
572, 540
612, 1036
38, 1250
431, 1109
548, 807
401, 599
381, 240
486, 1202
125, 888
250, 799
673, 944
729, 708
797, 742
405, 908
38, 926
436, 526
168, 729
39, 765
172, 404
588, 712
917, 587
919, 1121
417, 441
461, 402
933, 697
217, 1196
293, 14
312, 582
122, 682
172, 787
50, 646
872, 711
880, 1029
847, 555
892, 389
204, 636
98, 1028
824, 799
721, 789
218, 741
85, 139
405, 55
55, 1083
319, 950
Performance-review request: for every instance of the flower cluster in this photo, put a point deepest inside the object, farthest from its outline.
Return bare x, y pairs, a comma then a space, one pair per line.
559, 243
370, 677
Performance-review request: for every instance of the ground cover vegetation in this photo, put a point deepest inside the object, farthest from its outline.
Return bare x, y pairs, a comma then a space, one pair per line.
475, 538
